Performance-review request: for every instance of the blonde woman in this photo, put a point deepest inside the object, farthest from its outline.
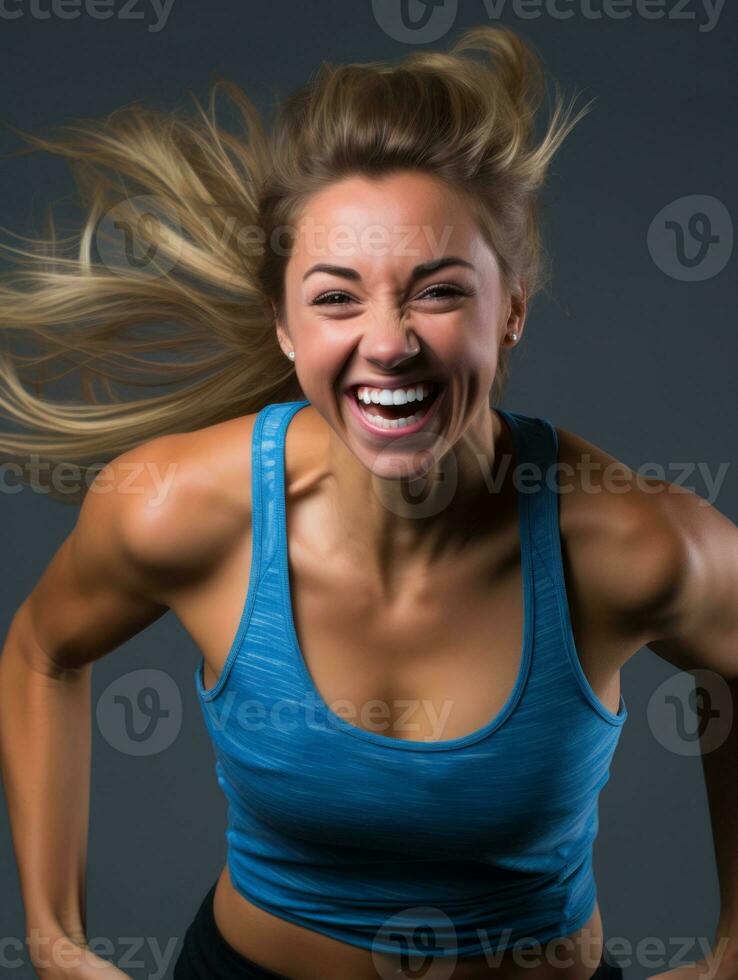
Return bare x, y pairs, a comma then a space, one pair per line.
412, 610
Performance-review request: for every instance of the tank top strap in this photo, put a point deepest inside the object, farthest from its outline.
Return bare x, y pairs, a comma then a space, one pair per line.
534, 474
267, 481
544, 501
549, 686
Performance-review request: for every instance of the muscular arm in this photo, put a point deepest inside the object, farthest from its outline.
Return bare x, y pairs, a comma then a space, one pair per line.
699, 629
671, 582
99, 589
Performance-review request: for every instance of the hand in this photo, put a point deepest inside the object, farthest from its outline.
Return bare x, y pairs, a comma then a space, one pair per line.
66, 956
720, 964
699, 970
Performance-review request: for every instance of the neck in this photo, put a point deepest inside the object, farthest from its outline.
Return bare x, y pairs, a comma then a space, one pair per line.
393, 522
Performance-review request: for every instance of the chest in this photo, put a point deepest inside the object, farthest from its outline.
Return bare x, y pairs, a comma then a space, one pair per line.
417, 651
432, 654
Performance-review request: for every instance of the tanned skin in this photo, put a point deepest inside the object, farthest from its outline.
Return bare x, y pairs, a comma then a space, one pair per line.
386, 606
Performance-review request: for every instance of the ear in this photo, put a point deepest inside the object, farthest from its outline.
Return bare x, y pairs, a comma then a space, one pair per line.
283, 337
516, 318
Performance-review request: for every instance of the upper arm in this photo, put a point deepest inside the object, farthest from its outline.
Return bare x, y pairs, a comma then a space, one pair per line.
699, 622
157, 519
620, 549
657, 560
99, 588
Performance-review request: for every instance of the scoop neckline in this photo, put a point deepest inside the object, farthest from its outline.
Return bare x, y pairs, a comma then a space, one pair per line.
341, 724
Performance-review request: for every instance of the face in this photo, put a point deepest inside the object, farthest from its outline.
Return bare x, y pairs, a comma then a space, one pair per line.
396, 311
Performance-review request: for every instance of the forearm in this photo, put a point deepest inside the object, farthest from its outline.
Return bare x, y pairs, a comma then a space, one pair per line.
45, 764
721, 779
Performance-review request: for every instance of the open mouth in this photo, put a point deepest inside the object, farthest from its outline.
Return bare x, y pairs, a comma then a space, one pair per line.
390, 409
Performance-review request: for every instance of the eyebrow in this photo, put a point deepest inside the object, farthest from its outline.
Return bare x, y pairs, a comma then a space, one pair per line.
418, 272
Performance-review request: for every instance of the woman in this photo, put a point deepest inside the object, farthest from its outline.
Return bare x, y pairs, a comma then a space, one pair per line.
413, 707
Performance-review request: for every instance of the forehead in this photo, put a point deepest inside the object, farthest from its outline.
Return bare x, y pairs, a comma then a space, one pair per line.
405, 218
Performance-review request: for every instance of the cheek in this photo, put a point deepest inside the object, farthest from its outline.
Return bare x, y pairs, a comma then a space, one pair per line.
468, 345
321, 367
324, 341
321, 344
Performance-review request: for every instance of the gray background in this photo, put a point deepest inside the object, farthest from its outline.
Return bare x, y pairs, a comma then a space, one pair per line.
640, 362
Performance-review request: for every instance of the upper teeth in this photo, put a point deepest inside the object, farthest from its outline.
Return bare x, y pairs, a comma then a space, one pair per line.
394, 396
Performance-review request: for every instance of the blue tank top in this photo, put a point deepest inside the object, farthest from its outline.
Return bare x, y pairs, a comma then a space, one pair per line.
482, 841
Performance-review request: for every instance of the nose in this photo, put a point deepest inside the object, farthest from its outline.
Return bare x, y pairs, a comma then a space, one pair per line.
388, 342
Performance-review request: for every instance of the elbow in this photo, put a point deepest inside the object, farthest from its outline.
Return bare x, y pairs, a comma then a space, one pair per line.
21, 644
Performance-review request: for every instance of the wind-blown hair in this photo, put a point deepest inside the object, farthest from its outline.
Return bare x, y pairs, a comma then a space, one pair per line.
207, 214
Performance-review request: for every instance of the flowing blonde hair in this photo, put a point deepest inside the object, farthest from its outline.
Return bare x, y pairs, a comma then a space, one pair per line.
206, 214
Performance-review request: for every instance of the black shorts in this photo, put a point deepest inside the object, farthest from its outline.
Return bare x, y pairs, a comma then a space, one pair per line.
206, 955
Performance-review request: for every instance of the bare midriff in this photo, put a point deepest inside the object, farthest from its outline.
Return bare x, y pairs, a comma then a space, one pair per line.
302, 954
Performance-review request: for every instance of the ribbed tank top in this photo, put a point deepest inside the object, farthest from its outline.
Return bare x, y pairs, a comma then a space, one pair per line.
484, 840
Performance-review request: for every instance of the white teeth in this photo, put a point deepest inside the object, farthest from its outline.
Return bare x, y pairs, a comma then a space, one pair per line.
393, 423
394, 396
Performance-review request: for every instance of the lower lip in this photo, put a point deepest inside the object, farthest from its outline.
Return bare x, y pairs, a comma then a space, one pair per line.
406, 430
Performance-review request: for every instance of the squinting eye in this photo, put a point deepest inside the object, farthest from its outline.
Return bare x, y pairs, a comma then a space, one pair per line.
446, 291
322, 299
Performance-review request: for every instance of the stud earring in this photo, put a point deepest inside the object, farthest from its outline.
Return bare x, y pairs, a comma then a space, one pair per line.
291, 355
513, 336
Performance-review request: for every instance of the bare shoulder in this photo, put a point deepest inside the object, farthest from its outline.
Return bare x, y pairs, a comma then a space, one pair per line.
626, 535
174, 503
